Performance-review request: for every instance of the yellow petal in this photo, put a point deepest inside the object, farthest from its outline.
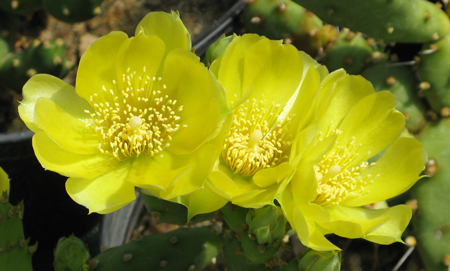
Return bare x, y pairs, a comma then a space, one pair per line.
55, 158
104, 194
135, 55
273, 175
147, 173
68, 131
383, 226
347, 91
272, 70
48, 86
4, 182
98, 66
201, 96
203, 201
382, 124
317, 240
392, 230
294, 216
352, 222
168, 27
230, 72
397, 170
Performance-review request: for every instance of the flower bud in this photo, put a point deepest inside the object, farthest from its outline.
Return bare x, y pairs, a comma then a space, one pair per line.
267, 224
71, 255
320, 260
216, 49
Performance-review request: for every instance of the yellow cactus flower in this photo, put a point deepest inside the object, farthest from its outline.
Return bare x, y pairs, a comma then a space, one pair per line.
145, 112
333, 180
263, 79
4, 182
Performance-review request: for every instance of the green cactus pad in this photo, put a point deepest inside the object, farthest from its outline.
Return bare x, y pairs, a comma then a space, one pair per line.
39, 57
402, 82
21, 7
434, 69
189, 249
432, 219
14, 251
350, 51
170, 212
71, 255
236, 260
284, 19
390, 20
72, 11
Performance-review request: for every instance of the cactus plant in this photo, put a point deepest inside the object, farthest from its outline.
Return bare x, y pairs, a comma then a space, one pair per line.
431, 222
21, 7
39, 57
392, 21
434, 70
72, 11
15, 254
182, 249
288, 21
402, 82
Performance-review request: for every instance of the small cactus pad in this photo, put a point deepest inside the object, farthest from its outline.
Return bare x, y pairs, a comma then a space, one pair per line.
390, 20
432, 219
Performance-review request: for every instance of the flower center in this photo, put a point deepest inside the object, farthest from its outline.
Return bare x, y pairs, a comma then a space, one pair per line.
135, 119
337, 183
256, 141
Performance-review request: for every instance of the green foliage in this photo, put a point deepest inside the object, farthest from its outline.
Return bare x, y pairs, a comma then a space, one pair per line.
72, 11
434, 69
286, 20
71, 255
21, 7
170, 212
320, 260
183, 249
431, 221
390, 20
14, 251
238, 220
39, 57
350, 51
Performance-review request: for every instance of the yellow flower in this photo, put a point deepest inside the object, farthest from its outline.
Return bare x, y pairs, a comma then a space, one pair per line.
145, 112
4, 182
333, 181
263, 79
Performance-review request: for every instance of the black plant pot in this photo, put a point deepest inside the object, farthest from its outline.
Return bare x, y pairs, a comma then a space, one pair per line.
49, 211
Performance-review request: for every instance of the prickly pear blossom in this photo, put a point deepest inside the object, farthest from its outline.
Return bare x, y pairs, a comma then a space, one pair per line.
145, 112
333, 180
268, 88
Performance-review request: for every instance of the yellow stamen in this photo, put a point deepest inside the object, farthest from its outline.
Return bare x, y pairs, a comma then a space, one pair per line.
256, 141
337, 183
134, 117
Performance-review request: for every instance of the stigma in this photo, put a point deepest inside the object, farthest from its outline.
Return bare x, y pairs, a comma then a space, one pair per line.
135, 117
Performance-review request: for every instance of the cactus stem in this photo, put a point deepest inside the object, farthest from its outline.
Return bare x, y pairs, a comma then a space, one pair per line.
428, 16
390, 30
